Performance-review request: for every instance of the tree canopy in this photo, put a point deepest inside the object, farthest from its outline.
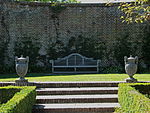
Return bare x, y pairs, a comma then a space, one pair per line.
136, 11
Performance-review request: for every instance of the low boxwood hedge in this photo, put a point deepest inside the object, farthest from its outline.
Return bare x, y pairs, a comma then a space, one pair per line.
133, 98
20, 102
6, 93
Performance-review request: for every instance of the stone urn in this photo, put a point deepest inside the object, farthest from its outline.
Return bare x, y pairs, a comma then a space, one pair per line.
131, 67
21, 67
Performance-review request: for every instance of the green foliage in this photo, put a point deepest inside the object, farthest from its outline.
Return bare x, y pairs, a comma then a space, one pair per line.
6, 69
57, 9
27, 48
43, 77
6, 93
80, 44
122, 48
135, 11
2, 51
144, 89
113, 69
56, 5
131, 100
21, 102
145, 47
39, 69
138, 11
87, 46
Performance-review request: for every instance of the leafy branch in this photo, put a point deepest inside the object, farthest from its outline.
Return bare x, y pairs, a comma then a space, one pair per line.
138, 11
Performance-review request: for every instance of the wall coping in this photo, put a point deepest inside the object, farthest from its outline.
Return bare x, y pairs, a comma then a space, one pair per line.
67, 5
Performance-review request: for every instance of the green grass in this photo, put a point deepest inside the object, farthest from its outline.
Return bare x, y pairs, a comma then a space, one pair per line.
78, 77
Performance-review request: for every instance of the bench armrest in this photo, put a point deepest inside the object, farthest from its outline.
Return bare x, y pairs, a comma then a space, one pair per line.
98, 62
51, 62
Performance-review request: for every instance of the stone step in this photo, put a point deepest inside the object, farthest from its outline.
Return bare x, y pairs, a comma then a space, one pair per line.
107, 98
76, 97
75, 108
68, 84
74, 91
77, 84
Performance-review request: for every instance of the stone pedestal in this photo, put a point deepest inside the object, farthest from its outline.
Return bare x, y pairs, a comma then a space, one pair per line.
22, 82
131, 80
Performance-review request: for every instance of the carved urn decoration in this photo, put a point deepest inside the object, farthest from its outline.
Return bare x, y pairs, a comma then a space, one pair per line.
22, 67
131, 67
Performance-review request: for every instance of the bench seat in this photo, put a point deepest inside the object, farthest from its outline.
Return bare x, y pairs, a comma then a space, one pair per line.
74, 66
77, 62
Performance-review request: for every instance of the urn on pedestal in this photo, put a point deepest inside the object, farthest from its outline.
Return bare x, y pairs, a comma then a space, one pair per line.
131, 67
21, 68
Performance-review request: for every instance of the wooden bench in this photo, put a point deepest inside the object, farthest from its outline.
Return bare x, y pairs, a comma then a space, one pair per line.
75, 63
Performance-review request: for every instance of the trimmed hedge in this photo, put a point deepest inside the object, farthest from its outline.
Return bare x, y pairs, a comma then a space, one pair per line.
21, 102
133, 98
6, 93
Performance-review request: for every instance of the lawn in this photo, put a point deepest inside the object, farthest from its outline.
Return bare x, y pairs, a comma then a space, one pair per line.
77, 77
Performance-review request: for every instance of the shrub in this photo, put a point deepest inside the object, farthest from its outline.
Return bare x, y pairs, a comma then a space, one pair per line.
21, 102
113, 69
38, 69
6, 93
132, 100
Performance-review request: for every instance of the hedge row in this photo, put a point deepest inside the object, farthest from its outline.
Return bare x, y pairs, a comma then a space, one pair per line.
132, 100
21, 102
6, 93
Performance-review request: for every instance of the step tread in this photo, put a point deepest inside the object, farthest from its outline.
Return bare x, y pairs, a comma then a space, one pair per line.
78, 84
77, 89
76, 96
76, 105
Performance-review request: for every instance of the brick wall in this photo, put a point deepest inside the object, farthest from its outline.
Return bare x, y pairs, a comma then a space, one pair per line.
94, 30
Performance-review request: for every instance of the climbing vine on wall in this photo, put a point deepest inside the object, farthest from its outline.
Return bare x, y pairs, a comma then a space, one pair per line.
90, 47
146, 47
27, 48
5, 39
122, 48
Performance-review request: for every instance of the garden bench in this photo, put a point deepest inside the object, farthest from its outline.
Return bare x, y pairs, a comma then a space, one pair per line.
75, 63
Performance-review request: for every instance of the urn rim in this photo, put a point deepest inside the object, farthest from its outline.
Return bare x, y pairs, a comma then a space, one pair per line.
131, 58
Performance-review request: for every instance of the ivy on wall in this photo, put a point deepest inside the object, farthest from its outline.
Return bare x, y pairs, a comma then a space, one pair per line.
122, 48
146, 46
28, 48
90, 47
85, 44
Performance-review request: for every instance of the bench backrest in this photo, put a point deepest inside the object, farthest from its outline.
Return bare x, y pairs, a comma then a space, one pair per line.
74, 59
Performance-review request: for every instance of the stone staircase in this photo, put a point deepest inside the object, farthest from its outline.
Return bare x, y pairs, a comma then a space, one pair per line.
76, 97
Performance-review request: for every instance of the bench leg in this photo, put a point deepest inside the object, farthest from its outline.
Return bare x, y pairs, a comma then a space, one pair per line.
75, 69
52, 70
97, 69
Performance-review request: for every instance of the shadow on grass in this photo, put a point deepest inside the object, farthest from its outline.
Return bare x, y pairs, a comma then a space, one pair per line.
5, 76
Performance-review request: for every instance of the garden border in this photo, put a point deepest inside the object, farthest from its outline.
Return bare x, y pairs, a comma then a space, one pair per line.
131, 100
22, 101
